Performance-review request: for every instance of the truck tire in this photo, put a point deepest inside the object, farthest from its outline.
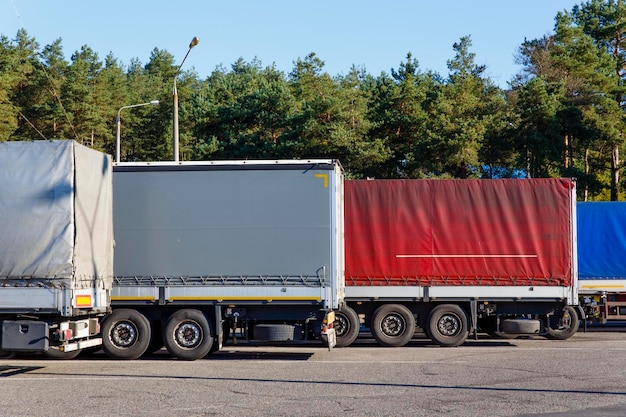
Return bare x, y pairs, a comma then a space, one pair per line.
447, 325
516, 326
346, 326
188, 335
489, 326
125, 334
274, 332
54, 353
393, 325
564, 326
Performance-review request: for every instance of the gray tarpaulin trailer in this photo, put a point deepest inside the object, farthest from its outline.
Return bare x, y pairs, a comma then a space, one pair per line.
56, 250
206, 250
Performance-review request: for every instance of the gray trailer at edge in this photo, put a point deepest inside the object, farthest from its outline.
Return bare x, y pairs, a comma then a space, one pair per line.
56, 251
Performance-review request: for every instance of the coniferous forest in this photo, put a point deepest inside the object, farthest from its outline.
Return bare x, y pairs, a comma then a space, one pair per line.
563, 115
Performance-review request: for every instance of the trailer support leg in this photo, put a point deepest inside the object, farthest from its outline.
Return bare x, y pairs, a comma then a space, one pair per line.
474, 317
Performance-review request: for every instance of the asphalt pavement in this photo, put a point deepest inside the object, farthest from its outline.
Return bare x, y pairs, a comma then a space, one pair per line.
582, 376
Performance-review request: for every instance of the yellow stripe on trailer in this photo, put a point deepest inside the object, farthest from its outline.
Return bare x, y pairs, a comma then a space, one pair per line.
250, 298
608, 287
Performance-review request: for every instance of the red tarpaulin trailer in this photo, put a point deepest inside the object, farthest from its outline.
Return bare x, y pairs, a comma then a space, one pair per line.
458, 232
457, 257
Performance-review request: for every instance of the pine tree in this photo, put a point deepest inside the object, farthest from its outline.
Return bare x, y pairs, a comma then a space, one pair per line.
605, 22
462, 116
398, 112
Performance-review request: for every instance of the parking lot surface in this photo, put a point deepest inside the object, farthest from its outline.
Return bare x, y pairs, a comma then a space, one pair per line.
582, 376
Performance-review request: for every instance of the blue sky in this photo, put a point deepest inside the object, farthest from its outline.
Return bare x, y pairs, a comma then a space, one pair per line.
375, 35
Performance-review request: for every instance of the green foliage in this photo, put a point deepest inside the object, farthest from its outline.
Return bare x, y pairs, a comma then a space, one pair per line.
463, 116
9, 79
563, 114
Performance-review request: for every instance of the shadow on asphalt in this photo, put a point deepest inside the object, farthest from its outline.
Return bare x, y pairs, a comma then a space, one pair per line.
365, 340
272, 356
6, 371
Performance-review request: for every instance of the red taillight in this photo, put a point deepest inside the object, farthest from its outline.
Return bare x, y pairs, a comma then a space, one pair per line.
327, 327
65, 334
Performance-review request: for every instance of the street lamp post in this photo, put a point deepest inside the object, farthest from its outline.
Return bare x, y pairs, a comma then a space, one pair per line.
175, 137
117, 136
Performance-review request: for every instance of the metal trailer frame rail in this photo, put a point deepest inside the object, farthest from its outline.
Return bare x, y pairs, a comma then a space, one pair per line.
169, 289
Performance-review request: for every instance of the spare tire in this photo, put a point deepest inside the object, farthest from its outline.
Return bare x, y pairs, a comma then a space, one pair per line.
520, 326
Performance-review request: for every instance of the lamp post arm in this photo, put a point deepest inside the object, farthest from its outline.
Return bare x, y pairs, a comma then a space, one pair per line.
117, 137
181, 64
119, 124
193, 43
153, 102
175, 134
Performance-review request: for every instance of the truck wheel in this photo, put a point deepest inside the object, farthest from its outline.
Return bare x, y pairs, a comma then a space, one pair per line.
447, 325
393, 325
55, 353
346, 326
125, 334
188, 335
565, 326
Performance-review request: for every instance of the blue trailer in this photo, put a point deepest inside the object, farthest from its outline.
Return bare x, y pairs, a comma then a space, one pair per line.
602, 260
